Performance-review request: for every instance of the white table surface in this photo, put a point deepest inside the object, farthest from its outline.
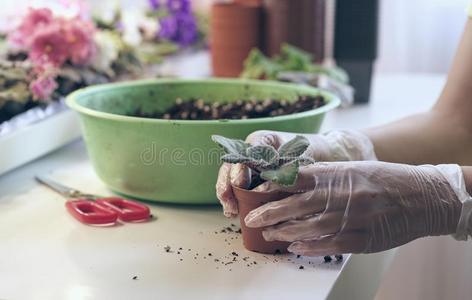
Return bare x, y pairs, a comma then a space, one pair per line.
46, 254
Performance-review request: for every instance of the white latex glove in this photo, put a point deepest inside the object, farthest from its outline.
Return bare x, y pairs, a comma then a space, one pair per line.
333, 146
362, 207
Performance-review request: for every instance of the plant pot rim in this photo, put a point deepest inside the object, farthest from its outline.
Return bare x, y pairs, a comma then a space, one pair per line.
255, 192
241, 5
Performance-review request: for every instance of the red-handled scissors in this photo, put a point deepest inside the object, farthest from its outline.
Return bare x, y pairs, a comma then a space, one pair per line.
95, 210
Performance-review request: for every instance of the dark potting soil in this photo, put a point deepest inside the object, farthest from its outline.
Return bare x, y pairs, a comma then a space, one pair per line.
198, 109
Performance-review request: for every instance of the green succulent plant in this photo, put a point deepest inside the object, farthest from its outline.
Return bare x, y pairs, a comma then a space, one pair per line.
277, 165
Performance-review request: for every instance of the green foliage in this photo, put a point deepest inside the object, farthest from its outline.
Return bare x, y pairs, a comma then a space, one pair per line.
286, 175
154, 53
259, 66
230, 146
14, 82
333, 72
294, 59
294, 147
280, 166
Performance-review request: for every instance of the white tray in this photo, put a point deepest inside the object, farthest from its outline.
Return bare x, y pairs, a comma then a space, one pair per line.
31, 141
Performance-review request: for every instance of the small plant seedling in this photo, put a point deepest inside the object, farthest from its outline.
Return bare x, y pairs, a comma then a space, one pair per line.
277, 165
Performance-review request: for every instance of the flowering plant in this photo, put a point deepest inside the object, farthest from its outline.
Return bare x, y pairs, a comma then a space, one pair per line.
55, 50
50, 54
50, 42
178, 23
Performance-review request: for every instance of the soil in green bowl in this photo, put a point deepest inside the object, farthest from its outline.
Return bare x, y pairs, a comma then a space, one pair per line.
199, 109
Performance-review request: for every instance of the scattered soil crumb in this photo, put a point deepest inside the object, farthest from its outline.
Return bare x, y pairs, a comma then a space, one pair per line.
327, 259
232, 232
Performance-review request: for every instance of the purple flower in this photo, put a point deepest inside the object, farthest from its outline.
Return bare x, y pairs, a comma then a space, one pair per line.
187, 32
120, 26
168, 28
180, 28
179, 25
179, 5
155, 5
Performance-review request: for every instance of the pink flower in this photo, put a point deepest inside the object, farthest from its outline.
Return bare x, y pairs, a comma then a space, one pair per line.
79, 39
43, 86
50, 42
32, 21
64, 39
49, 45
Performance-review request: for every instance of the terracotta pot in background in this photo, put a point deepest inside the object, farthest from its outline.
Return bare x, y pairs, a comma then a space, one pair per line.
227, 62
251, 2
235, 30
298, 22
252, 237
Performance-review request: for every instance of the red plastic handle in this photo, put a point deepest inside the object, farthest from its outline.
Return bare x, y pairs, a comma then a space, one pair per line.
89, 212
127, 210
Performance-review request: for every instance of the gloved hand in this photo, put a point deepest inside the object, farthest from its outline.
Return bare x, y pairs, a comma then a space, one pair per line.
333, 146
362, 207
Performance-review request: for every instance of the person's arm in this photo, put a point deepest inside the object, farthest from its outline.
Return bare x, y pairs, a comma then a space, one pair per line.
442, 135
467, 171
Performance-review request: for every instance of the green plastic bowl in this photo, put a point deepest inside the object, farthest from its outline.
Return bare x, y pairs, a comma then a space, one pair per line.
171, 160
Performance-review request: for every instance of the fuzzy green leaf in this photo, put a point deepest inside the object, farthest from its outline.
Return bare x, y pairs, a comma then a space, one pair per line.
305, 160
234, 158
259, 165
285, 175
251, 163
231, 146
295, 147
265, 153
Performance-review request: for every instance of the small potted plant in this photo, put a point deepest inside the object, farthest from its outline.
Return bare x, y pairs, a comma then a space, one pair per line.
267, 164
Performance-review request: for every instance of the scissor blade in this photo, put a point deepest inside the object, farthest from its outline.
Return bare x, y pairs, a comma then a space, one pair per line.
61, 189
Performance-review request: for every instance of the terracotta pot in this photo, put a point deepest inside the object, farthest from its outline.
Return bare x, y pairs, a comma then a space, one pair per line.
300, 23
235, 30
238, 39
228, 63
249, 2
252, 237
230, 10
